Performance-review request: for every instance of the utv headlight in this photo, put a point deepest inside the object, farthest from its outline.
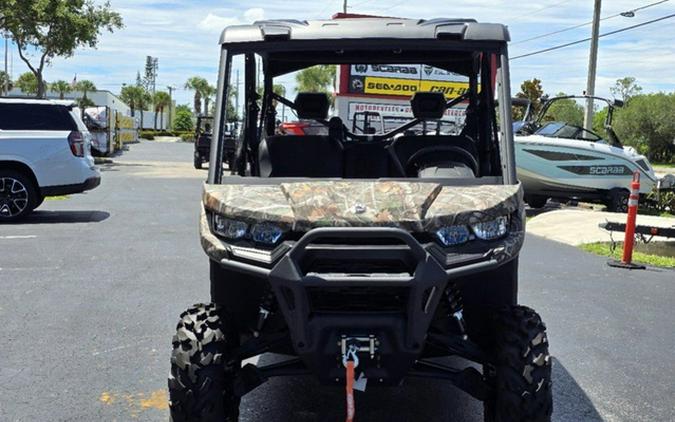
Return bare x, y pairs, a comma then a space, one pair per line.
266, 233
491, 230
231, 229
453, 235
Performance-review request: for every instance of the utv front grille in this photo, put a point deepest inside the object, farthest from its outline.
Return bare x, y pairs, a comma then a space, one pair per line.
361, 299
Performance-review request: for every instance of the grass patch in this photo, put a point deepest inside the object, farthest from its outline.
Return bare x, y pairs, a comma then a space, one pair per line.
664, 166
57, 198
605, 249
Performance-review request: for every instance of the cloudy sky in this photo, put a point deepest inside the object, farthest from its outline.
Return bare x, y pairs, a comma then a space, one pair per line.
184, 35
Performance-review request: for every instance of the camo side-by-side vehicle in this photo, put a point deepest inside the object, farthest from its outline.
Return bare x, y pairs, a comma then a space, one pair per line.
395, 249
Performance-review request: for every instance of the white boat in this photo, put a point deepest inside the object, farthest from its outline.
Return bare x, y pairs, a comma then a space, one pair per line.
566, 162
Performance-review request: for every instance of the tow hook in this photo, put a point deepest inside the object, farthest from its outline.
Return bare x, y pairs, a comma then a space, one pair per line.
359, 345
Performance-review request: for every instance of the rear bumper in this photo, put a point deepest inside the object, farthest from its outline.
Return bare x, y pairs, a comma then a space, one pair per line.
89, 184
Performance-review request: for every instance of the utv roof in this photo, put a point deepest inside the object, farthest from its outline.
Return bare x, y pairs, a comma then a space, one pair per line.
365, 28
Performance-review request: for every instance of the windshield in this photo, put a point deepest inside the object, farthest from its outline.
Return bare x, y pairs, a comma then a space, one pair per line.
347, 117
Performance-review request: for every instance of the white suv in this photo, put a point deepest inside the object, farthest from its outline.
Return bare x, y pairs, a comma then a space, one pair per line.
45, 150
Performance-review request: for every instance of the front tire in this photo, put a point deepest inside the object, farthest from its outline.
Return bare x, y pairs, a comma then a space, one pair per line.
521, 368
202, 371
18, 196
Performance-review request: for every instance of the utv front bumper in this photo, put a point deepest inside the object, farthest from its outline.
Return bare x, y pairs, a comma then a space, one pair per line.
379, 285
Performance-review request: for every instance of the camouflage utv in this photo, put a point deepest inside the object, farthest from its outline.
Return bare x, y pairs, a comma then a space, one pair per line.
376, 253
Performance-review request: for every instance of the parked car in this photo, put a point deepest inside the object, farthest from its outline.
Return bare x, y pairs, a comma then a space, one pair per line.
45, 150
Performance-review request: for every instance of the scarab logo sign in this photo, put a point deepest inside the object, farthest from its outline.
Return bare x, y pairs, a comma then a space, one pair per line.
598, 170
361, 68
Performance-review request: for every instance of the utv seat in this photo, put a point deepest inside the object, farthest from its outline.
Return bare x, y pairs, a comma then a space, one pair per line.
305, 155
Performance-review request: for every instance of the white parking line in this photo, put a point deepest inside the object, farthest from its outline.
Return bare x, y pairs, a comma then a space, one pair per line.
17, 237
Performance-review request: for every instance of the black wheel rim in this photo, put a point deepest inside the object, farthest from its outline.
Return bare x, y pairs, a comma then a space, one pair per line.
13, 197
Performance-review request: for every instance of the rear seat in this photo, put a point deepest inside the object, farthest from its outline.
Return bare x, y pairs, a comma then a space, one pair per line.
303, 156
300, 156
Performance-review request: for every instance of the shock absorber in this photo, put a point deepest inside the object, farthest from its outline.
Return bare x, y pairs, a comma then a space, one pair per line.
455, 307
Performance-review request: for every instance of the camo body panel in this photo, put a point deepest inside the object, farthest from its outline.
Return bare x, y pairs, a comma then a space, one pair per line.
213, 246
250, 203
382, 204
412, 206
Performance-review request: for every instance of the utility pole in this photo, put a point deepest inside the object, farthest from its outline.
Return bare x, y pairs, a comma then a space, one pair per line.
344, 6
6, 87
592, 66
236, 97
171, 89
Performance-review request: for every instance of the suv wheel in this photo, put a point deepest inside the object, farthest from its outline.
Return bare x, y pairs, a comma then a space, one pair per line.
18, 195
202, 375
521, 370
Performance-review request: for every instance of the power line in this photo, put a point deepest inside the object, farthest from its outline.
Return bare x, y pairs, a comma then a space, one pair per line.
569, 44
625, 13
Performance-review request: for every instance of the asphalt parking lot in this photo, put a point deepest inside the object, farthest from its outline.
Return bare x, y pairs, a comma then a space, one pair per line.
91, 288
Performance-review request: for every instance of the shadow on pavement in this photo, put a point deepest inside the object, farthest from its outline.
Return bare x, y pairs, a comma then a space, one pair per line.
570, 402
61, 217
303, 399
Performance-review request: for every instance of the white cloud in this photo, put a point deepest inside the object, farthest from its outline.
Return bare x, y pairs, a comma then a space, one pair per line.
255, 14
215, 23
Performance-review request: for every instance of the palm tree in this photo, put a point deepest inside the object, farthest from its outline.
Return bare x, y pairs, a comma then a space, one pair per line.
137, 98
62, 87
4, 78
161, 100
209, 91
199, 85
85, 86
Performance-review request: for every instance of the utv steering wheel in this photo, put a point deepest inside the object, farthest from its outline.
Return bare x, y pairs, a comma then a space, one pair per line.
413, 162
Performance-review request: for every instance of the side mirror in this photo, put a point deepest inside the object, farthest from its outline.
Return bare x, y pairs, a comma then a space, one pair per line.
618, 103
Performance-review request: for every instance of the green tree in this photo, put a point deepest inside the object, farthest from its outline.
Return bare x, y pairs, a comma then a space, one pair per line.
208, 92
599, 118
85, 87
626, 88
568, 111
4, 78
85, 102
183, 120
62, 87
320, 78
27, 83
160, 101
200, 86
232, 112
533, 91
54, 28
646, 122
137, 98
